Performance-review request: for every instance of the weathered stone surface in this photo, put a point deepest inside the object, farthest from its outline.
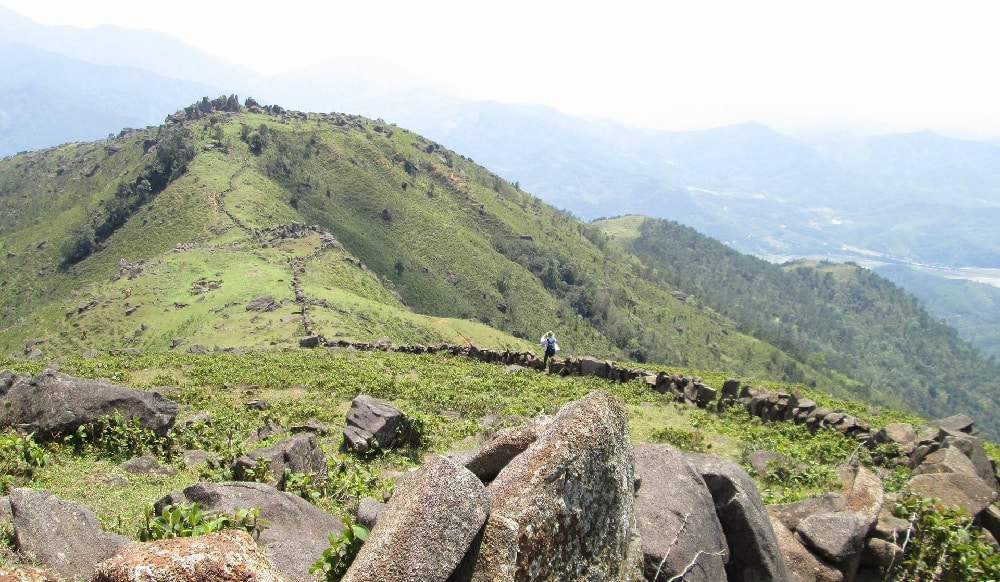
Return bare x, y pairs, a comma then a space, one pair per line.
488, 460
28, 574
227, 556
865, 496
791, 514
593, 367
900, 433
368, 511
571, 494
492, 557
299, 454
372, 423
802, 565
837, 537
754, 553
973, 448
954, 490
881, 553
65, 536
147, 464
51, 404
957, 422
675, 516
426, 527
291, 520
946, 460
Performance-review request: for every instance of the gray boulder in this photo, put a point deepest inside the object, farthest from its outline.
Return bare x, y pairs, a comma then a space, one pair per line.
955, 490
296, 532
571, 494
51, 404
675, 517
791, 514
754, 553
372, 423
299, 454
837, 537
803, 565
491, 457
66, 537
426, 527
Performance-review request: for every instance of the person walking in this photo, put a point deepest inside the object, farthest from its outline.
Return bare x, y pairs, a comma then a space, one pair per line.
548, 342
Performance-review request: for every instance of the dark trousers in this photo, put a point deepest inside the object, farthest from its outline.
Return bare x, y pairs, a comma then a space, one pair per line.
549, 352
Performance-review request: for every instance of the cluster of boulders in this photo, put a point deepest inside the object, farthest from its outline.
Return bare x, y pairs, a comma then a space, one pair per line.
566, 496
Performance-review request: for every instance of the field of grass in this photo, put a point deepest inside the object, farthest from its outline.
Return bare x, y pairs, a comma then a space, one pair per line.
456, 401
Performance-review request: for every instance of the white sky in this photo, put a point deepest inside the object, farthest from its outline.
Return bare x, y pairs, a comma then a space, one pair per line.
668, 64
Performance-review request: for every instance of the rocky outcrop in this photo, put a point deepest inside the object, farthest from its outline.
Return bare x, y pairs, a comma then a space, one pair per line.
228, 555
296, 454
51, 404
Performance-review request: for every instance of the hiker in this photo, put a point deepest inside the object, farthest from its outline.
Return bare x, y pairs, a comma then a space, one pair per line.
548, 341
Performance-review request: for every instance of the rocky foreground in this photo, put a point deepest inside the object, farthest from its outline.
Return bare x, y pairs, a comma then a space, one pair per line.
566, 497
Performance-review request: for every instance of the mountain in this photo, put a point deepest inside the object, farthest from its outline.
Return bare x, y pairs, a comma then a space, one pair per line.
837, 316
233, 227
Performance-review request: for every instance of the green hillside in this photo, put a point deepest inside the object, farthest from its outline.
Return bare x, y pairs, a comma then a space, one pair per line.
834, 316
247, 227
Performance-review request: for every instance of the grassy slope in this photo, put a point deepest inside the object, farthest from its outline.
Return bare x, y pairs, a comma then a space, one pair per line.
457, 255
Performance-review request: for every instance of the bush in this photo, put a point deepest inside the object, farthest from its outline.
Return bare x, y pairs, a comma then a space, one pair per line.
186, 520
944, 545
19, 457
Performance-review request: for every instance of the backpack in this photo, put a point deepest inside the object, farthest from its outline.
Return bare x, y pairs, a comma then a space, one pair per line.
550, 343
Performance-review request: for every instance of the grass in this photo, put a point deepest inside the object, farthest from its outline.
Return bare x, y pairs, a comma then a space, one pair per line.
451, 396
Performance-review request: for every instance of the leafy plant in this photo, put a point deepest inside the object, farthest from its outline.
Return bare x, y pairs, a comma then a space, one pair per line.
337, 558
186, 520
115, 437
20, 455
944, 545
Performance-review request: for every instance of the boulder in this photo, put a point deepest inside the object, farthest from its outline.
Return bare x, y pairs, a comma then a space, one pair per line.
972, 448
791, 514
64, 536
298, 454
369, 509
571, 494
292, 522
955, 490
802, 565
837, 537
51, 404
957, 422
593, 367
865, 495
681, 536
426, 527
492, 557
491, 457
945, 460
372, 423
229, 555
754, 553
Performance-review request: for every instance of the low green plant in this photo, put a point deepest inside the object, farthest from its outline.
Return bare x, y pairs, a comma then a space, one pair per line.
186, 520
337, 558
305, 485
943, 545
691, 441
348, 480
20, 455
118, 438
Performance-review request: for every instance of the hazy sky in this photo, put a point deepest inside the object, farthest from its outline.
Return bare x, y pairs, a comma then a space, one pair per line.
667, 64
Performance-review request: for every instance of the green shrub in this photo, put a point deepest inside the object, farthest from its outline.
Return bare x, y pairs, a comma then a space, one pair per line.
944, 545
117, 438
20, 455
186, 520
337, 558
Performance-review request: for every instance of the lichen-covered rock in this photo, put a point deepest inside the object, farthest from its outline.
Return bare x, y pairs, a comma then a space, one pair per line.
426, 527
223, 556
571, 495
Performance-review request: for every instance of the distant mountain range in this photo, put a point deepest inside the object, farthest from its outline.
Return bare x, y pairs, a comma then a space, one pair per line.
896, 203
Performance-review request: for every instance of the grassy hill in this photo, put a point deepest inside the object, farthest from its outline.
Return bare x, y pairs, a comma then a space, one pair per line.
839, 317
247, 227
